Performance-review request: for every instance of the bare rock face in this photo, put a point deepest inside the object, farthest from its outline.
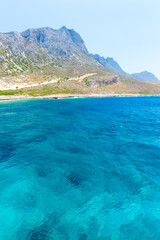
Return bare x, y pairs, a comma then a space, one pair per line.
34, 48
103, 82
62, 42
110, 64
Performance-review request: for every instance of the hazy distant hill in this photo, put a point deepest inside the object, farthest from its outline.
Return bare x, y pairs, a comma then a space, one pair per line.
111, 64
145, 76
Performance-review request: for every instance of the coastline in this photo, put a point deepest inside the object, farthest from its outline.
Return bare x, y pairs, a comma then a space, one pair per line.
67, 96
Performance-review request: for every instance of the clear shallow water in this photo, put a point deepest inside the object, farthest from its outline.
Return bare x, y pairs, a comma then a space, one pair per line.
80, 169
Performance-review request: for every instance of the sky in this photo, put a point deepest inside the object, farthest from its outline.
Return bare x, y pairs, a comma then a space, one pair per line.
127, 30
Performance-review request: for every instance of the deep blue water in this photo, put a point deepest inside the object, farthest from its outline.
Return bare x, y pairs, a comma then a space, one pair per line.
80, 169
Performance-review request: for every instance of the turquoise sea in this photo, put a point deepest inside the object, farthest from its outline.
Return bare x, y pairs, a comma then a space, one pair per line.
80, 169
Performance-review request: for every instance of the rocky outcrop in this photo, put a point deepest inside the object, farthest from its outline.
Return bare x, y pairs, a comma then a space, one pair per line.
102, 81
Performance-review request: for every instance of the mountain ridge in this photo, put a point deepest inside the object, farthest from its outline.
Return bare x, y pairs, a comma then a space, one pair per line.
111, 64
37, 48
145, 76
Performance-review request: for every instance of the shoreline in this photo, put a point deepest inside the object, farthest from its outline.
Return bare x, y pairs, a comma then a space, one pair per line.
67, 96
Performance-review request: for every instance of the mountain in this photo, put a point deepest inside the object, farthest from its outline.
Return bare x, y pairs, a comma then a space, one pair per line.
45, 61
62, 42
111, 64
34, 49
145, 76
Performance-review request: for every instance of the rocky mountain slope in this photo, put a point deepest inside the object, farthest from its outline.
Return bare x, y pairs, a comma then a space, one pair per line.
111, 64
63, 42
35, 50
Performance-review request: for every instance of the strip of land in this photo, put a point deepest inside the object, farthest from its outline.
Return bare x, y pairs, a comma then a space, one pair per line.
64, 96
34, 86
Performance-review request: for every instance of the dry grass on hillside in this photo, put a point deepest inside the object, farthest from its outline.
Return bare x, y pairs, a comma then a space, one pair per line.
48, 84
